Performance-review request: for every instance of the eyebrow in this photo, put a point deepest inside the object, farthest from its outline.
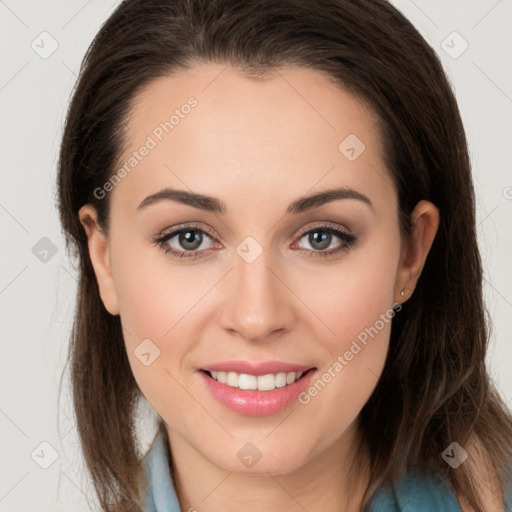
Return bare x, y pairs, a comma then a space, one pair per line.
211, 204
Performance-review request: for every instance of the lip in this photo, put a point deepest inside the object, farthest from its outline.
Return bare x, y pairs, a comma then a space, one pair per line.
254, 402
257, 369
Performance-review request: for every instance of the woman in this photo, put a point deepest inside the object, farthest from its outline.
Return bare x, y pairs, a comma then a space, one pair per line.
273, 211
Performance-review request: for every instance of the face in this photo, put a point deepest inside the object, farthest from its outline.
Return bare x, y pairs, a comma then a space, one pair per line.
243, 286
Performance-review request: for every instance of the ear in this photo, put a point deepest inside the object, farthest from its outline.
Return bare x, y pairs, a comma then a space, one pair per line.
99, 252
425, 222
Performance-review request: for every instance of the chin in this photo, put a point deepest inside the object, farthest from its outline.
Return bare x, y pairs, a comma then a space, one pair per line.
251, 460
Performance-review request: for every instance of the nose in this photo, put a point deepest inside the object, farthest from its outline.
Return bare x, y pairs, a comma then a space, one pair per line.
257, 301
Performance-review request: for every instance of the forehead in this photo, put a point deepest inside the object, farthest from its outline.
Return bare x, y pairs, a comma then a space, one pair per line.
210, 128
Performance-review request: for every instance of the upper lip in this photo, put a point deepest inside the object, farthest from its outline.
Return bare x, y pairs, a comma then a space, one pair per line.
263, 368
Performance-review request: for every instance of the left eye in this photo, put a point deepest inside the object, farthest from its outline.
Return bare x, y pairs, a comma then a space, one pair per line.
320, 239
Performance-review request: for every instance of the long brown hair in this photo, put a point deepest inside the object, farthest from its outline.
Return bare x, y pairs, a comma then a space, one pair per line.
435, 388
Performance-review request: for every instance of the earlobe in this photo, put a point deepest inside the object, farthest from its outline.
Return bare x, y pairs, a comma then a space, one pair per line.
99, 254
425, 223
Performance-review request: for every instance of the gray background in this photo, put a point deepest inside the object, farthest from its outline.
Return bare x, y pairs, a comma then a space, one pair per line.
37, 288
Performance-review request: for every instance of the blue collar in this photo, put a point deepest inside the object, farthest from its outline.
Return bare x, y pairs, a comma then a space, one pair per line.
160, 496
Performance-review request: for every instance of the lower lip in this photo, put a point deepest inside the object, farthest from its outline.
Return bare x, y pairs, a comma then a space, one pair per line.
252, 402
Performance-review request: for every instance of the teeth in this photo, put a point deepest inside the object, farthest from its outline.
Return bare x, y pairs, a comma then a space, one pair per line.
232, 379
261, 383
280, 380
266, 382
247, 381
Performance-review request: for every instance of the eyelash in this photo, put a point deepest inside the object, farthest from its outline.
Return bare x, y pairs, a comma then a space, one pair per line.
347, 239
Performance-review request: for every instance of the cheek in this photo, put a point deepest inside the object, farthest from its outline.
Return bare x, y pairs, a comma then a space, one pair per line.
352, 296
356, 305
150, 312
152, 291
152, 300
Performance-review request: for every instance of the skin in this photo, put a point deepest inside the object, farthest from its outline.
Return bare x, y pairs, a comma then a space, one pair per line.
257, 146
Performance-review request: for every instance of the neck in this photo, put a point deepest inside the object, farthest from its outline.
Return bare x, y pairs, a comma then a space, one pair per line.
323, 483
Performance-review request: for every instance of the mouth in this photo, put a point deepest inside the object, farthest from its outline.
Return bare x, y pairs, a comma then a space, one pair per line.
259, 393
267, 382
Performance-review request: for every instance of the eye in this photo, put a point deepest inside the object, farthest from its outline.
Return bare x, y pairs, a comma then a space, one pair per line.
185, 241
321, 237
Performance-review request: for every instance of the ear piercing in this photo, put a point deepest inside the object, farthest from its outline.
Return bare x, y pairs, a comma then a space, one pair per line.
402, 293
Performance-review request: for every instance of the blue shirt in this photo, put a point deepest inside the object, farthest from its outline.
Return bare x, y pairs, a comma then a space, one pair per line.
412, 493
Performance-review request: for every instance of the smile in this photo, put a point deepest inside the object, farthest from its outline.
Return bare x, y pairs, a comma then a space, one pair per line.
256, 389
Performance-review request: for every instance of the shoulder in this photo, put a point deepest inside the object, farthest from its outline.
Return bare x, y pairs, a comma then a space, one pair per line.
415, 491
487, 482
424, 492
